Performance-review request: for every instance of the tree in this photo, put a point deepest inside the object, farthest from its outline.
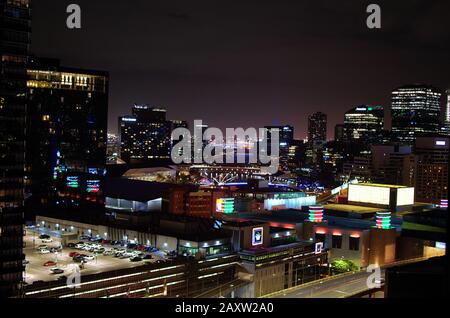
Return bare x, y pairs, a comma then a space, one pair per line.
342, 266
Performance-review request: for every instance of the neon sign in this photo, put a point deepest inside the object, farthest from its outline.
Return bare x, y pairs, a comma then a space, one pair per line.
225, 205
316, 213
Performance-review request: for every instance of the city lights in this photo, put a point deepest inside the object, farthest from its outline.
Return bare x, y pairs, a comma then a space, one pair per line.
383, 220
316, 213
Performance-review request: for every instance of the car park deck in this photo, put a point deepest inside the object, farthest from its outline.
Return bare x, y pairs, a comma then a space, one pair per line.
36, 271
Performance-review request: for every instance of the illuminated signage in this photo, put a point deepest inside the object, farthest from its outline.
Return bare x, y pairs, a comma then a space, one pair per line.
405, 196
440, 143
92, 171
72, 182
440, 245
225, 205
444, 203
383, 220
368, 194
318, 248
257, 236
316, 213
129, 119
92, 186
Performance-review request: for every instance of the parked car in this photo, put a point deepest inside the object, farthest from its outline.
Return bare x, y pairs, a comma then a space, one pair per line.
43, 251
56, 270
44, 236
135, 259
77, 258
106, 241
84, 237
42, 246
73, 254
88, 257
49, 263
148, 256
70, 245
47, 240
131, 245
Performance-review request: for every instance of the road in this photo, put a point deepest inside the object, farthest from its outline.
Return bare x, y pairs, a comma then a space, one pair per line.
335, 288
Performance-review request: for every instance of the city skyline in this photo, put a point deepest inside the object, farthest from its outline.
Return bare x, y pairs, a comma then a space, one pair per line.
291, 64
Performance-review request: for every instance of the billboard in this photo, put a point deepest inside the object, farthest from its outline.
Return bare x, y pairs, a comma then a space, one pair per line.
405, 196
257, 236
225, 205
369, 194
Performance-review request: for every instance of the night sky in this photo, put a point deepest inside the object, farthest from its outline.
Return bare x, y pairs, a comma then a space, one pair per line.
249, 63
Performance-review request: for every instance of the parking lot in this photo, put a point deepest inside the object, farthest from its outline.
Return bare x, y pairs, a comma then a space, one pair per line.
35, 269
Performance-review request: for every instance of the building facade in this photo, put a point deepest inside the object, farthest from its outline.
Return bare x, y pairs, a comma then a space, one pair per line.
415, 111
145, 135
15, 19
67, 115
364, 124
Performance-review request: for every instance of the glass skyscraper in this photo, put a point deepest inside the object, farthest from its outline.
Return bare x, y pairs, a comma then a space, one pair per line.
15, 24
415, 111
364, 124
67, 116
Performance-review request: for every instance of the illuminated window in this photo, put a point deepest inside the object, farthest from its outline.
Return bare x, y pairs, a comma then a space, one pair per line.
45, 117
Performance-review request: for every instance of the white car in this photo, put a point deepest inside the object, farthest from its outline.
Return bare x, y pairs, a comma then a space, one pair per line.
49, 240
43, 251
89, 257
79, 246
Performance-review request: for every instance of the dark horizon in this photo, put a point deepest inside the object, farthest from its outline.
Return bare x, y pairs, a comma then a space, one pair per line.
250, 63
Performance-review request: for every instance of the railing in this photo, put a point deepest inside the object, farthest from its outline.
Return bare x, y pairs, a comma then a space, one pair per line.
320, 281
219, 289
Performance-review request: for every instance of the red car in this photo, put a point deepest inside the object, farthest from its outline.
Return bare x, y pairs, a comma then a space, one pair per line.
49, 263
106, 241
73, 254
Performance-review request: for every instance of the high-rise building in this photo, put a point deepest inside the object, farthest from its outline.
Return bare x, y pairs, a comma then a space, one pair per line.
286, 137
431, 169
317, 134
388, 163
67, 118
447, 112
364, 125
339, 132
317, 127
145, 135
15, 29
415, 111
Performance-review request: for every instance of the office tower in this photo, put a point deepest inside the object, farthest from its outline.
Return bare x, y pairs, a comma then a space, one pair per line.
317, 127
430, 167
178, 124
364, 125
145, 135
447, 112
67, 121
317, 135
415, 111
15, 32
388, 163
286, 138
339, 132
